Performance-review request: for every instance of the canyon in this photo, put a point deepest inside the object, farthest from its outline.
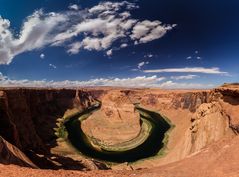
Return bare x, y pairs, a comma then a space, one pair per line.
202, 140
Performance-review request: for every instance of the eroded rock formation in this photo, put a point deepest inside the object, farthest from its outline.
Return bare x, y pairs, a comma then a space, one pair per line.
116, 121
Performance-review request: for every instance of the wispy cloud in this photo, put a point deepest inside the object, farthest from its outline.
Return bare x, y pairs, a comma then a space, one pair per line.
146, 31
140, 81
52, 66
194, 55
186, 77
123, 45
141, 64
74, 7
2, 77
213, 70
100, 27
42, 56
148, 55
175, 85
109, 52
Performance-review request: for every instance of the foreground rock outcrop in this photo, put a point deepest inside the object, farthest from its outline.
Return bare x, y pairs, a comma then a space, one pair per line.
204, 138
12, 155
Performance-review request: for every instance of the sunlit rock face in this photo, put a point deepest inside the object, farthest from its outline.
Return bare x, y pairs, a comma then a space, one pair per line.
116, 121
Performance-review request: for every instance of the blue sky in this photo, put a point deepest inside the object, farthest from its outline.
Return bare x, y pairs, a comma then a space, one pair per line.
149, 43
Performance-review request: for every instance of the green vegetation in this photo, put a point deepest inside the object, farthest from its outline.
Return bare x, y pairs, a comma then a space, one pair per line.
61, 131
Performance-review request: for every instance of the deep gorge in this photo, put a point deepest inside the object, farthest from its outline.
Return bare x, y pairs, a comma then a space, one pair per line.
29, 117
147, 148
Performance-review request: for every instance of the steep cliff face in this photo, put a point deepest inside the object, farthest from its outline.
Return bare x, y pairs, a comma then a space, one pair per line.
200, 118
209, 124
28, 116
215, 119
230, 104
8, 128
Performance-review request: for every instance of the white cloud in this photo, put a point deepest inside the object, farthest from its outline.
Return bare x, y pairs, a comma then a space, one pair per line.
148, 55
109, 52
42, 56
92, 44
2, 77
141, 64
186, 77
52, 66
98, 27
199, 58
74, 7
147, 31
102, 26
175, 85
74, 48
213, 70
189, 57
34, 34
109, 6
140, 81
124, 45
100, 33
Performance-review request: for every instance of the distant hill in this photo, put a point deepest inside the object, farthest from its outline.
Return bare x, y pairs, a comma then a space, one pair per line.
231, 85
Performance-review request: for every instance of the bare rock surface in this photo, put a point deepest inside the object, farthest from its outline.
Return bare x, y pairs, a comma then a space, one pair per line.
117, 120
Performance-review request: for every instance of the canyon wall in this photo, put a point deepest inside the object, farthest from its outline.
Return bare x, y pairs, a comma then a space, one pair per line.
28, 117
200, 118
